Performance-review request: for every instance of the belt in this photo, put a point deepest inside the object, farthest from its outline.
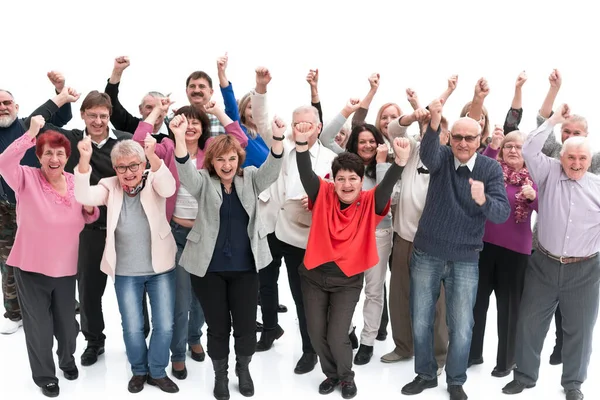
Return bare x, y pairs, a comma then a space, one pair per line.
562, 259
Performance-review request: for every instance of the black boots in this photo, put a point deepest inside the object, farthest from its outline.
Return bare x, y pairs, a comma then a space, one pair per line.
243, 373
221, 390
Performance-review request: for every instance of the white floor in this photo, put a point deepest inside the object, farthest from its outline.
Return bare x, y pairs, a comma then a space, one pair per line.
272, 371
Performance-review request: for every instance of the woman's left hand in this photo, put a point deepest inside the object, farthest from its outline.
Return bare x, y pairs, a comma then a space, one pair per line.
149, 145
528, 192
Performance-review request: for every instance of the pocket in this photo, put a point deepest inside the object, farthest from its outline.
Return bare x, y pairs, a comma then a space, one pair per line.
193, 236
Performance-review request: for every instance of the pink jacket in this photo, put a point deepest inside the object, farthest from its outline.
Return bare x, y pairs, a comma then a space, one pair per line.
165, 150
159, 186
47, 239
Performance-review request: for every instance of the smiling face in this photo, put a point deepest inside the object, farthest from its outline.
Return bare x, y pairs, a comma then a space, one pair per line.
465, 138
573, 129
226, 166
53, 161
367, 146
193, 131
198, 92
8, 109
129, 170
347, 185
512, 154
388, 114
575, 160
96, 121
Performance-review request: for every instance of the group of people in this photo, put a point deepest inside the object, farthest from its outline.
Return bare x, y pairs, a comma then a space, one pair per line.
194, 209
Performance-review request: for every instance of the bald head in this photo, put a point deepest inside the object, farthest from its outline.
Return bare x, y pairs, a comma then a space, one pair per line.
465, 138
467, 124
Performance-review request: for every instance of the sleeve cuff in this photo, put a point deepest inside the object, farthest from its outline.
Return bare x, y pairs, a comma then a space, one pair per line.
182, 160
276, 155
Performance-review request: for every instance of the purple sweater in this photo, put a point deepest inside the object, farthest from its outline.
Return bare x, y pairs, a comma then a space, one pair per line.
510, 235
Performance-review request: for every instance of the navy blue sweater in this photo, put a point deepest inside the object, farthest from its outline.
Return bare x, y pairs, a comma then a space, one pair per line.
452, 225
51, 113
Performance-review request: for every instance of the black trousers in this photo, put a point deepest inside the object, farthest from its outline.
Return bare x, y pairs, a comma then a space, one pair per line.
269, 297
228, 299
91, 285
48, 310
330, 300
501, 271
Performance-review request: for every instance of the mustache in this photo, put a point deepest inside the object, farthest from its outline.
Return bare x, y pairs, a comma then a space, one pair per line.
194, 94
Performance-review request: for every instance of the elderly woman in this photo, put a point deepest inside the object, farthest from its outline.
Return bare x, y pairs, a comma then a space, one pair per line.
139, 253
181, 212
227, 245
506, 251
342, 245
49, 221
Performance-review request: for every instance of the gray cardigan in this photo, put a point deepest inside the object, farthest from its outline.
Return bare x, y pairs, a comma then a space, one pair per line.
206, 189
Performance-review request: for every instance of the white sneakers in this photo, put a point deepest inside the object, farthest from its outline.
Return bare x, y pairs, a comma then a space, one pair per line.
8, 327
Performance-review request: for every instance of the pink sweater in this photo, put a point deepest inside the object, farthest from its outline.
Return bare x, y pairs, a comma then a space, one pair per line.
165, 150
47, 239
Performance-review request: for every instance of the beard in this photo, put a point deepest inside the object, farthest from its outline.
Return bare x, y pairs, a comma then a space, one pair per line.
7, 120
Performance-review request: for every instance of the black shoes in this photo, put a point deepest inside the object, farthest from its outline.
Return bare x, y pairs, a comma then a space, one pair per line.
556, 357
165, 384
282, 309
90, 355
245, 382
267, 337
381, 336
198, 356
501, 373
574, 394
71, 374
221, 390
457, 392
259, 327
364, 354
136, 383
515, 387
348, 389
51, 390
179, 374
475, 361
328, 385
306, 363
418, 385
353, 339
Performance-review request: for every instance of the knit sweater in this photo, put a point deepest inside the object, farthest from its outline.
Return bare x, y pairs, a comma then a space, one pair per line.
452, 225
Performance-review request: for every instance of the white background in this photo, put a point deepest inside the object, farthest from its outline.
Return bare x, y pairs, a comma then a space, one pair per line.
411, 44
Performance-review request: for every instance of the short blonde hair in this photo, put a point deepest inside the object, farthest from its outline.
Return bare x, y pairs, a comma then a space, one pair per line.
127, 148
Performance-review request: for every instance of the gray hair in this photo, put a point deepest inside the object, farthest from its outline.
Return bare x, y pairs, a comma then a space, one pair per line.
576, 142
470, 121
9, 93
156, 95
127, 148
306, 109
578, 119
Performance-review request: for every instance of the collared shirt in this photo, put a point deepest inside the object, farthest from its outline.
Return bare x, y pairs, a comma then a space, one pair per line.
111, 135
568, 210
163, 130
469, 164
216, 128
293, 186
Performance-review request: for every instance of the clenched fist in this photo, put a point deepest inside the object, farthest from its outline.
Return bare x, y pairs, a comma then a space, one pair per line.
477, 191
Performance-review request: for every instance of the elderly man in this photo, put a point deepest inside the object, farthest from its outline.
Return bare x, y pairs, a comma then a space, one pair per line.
120, 117
96, 109
565, 269
465, 190
57, 111
283, 208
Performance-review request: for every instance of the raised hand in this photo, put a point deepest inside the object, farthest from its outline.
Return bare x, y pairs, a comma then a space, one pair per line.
412, 98
521, 79
374, 81
528, 192
401, 150
382, 153
422, 115
222, 63
211, 107
481, 88
278, 127
562, 114
149, 146
313, 78
555, 79
57, 79
497, 137
69, 95
303, 131
263, 76
121, 64
477, 191
85, 149
35, 125
435, 110
452, 82
178, 126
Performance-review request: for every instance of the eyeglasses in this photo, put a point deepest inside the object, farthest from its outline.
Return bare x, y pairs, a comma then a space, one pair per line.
103, 117
509, 147
460, 138
7, 103
132, 167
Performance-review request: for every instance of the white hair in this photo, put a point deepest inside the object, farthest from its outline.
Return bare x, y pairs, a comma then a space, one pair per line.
470, 121
127, 148
577, 142
156, 95
306, 109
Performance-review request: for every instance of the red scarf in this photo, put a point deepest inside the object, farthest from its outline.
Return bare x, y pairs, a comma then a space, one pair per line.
346, 237
518, 178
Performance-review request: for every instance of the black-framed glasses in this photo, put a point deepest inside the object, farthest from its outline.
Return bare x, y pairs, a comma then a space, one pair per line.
132, 167
460, 138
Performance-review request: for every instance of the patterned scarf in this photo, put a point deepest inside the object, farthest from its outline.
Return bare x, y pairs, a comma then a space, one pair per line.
518, 178
132, 192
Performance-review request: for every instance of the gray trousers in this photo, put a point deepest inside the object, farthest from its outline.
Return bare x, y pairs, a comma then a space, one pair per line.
48, 309
330, 298
576, 288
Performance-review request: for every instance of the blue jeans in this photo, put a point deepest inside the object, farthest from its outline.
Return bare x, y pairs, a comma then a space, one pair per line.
460, 281
161, 291
186, 330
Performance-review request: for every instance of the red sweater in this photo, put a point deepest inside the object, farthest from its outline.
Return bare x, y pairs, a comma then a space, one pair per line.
346, 237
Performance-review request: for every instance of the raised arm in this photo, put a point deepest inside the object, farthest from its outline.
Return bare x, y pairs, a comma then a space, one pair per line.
163, 182
86, 194
49, 109
493, 149
188, 173
231, 106
383, 191
310, 180
268, 172
333, 127
430, 151
481, 91
361, 114
260, 111
121, 119
64, 114
555, 79
231, 127
145, 128
515, 113
452, 82
10, 170
313, 80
